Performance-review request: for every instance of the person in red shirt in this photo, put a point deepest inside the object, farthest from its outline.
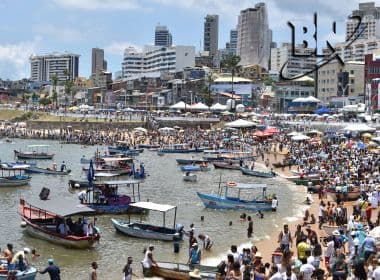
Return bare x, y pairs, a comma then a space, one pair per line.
368, 211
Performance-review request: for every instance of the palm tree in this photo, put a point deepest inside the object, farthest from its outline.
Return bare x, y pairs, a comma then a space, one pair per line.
54, 80
231, 63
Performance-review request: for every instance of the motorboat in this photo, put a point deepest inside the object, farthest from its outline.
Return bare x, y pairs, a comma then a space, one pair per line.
35, 152
189, 177
257, 173
47, 171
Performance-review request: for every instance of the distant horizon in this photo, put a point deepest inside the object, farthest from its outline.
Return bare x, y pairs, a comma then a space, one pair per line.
59, 26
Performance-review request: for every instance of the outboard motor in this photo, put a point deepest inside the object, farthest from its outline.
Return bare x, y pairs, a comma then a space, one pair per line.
44, 194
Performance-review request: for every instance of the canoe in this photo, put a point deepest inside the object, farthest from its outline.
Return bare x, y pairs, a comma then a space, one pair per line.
29, 274
256, 173
32, 155
47, 171
190, 178
168, 270
226, 165
15, 181
191, 161
147, 231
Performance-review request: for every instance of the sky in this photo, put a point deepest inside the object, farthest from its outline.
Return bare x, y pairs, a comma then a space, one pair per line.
43, 26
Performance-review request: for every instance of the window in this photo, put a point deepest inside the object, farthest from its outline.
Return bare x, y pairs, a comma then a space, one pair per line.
352, 72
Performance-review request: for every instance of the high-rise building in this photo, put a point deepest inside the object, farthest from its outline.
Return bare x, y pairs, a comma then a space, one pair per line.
370, 22
98, 63
232, 44
253, 44
162, 36
210, 34
64, 66
157, 59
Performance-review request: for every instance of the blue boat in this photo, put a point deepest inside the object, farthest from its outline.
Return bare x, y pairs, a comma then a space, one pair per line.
222, 200
123, 147
256, 173
190, 168
180, 149
29, 274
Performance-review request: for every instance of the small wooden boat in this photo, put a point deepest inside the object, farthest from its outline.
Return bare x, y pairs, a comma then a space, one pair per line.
190, 161
42, 222
47, 171
257, 173
190, 168
351, 195
180, 149
9, 178
148, 231
35, 153
190, 177
226, 165
114, 165
29, 274
223, 201
179, 271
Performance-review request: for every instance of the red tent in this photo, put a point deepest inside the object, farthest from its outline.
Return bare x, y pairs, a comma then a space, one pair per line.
272, 130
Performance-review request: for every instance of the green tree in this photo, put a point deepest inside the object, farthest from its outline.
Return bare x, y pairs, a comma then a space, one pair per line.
54, 80
68, 85
45, 101
231, 63
206, 91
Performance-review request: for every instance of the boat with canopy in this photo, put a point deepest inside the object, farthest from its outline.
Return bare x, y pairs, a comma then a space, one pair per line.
35, 152
13, 177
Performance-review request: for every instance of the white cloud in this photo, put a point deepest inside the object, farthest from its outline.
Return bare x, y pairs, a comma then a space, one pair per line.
117, 48
14, 59
99, 4
59, 33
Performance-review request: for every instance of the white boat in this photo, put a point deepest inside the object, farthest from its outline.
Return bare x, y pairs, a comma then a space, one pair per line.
148, 231
189, 177
29, 274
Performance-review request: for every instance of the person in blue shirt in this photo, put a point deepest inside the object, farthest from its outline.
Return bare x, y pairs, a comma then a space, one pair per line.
53, 270
195, 254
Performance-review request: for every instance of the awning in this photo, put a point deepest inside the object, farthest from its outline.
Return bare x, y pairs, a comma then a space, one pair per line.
116, 159
240, 123
153, 206
121, 182
63, 208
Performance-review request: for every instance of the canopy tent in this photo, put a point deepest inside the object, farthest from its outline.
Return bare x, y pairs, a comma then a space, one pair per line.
153, 206
240, 124
166, 129
180, 106
309, 99
199, 106
218, 107
322, 111
358, 127
314, 131
293, 133
141, 129
300, 137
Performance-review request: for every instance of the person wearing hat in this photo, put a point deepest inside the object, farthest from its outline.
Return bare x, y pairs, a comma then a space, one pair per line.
22, 253
53, 270
195, 274
195, 254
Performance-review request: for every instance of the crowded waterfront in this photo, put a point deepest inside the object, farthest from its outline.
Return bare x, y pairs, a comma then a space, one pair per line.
316, 173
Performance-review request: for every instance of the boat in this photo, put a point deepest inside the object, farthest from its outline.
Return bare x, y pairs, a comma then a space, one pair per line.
352, 194
29, 274
104, 197
180, 271
190, 168
35, 153
190, 161
226, 165
9, 178
148, 231
148, 146
284, 163
257, 173
41, 222
180, 148
222, 155
189, 177
138, 174
222, 200
48, 171
82, 183
114, 165
123, 147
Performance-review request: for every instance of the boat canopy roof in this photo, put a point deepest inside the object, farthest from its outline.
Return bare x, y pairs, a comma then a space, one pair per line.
105, 174
110, 159
122, 182
64, 208
123, 142
247, 186
38, 146
153, 206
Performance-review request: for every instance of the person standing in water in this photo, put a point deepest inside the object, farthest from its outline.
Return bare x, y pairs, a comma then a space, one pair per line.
250, 227
127, 270
53, 270
93, 272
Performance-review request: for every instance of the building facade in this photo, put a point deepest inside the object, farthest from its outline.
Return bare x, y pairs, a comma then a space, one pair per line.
357, 50
253, 45
231, 46
98, 63
211, 34
64, 66
162, 36
157, 59
372, 80
338, 83
294, 65
370, 22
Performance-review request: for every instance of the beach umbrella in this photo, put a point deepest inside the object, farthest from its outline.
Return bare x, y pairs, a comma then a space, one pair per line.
240, 124
166, 129
90, 173
140, 129
300, 137
293, 133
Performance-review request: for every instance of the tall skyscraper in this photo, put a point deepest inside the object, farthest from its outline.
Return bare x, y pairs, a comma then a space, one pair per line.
370, 26
162, 36
232, 44
210, 35
253, 44
98, 63
64, 66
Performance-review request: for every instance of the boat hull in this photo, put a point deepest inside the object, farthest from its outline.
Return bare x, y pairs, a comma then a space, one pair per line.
21, 155
29, 274
190, 168
215, 202
129, 229
350, 195
191, 161
255, 173
38, 170
181, 151
112, 171
181, 271
6, 182
190, 178
226, 165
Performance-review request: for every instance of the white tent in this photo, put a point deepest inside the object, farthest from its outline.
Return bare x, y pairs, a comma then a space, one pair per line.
293, 133
309, 99
199, 106
299, 100
358, 127
180, 106
141, 129
166, 129
218, 107
312, 99
300, 137
240, 123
